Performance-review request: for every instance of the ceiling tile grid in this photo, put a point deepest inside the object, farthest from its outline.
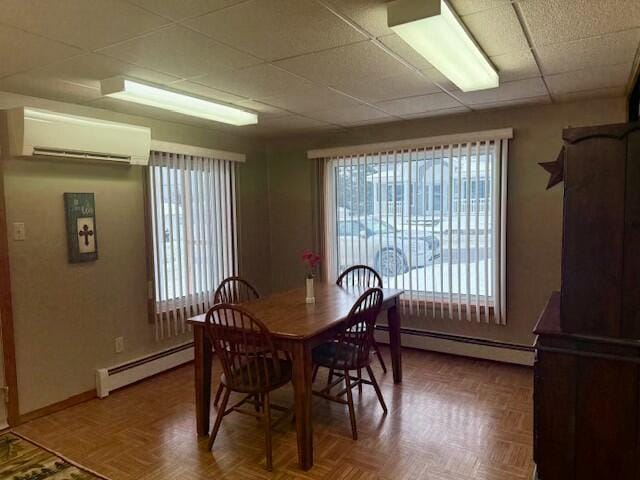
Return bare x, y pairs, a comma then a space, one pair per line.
277, 29
179, 51
323, 63
88, 24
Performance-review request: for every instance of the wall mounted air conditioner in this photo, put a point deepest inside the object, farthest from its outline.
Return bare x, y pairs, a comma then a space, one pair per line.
35, 132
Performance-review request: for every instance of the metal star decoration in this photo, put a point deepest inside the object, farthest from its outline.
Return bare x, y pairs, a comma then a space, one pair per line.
556, 169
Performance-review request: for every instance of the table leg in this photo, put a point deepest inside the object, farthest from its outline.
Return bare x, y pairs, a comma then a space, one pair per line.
393, 320
302, 396
202, 362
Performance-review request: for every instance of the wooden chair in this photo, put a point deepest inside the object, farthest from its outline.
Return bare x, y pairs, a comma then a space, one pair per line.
364, 276
352, 351
250, 364
233, 290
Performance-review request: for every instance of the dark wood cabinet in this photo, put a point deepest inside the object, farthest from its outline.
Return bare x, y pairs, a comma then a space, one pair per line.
601, 231
586, 403
587, 369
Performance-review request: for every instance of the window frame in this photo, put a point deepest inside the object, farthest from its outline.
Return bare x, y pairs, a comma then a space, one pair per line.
496, 187
165, 312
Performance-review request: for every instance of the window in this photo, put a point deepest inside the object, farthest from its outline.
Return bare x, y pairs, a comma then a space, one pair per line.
444, 242
192, 202
437, 198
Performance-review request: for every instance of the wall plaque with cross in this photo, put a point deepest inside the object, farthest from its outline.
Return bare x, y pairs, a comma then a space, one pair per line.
82, 239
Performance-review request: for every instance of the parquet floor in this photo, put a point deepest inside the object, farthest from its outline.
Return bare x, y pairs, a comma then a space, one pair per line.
452, 418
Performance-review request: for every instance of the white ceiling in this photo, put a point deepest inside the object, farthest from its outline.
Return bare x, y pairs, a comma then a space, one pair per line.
311, 64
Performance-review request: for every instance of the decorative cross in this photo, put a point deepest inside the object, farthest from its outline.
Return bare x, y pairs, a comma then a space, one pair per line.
86, 233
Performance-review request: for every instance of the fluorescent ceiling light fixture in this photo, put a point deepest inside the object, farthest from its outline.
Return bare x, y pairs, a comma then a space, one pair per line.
433, 29
132, 91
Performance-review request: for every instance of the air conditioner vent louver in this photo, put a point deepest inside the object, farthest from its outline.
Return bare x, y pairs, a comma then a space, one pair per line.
35, 132
49, 152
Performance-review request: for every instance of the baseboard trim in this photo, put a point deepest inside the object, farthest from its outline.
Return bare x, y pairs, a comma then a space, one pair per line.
56, 407
474, 347
136, 370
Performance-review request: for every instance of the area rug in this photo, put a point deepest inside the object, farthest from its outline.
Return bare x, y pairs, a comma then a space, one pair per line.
22, 459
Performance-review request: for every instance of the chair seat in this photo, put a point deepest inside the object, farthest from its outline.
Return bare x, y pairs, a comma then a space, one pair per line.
246, 384
326, 354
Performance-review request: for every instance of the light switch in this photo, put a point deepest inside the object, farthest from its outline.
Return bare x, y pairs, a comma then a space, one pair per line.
19, 231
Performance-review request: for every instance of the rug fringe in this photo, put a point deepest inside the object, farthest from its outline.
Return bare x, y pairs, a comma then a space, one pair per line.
57, 454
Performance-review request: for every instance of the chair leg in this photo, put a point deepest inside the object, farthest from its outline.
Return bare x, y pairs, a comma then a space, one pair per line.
218, 393
330, 377
352, 413
380, 357
266, 407
315, 373
360, 381
221, 410
377, 388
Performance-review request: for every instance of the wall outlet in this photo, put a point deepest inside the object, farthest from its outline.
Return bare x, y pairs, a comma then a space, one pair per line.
19, 231
119, 344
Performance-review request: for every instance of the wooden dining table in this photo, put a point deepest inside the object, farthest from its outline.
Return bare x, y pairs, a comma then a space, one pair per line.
297, 328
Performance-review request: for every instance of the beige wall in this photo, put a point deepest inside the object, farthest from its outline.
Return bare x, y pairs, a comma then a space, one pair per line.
66, 316
534, 215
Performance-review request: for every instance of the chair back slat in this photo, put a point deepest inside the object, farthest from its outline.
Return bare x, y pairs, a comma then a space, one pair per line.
235, 290
355, 341
244, 346
360, 276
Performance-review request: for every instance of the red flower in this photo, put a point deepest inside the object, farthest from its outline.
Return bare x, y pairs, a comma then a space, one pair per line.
311, 259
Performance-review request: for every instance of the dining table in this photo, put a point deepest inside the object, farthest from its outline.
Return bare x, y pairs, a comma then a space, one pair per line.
297, 327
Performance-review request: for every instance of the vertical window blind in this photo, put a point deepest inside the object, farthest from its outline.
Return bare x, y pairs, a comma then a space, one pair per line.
193, 217
429, 217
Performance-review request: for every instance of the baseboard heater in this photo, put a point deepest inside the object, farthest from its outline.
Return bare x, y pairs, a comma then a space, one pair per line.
118, 376
461, 345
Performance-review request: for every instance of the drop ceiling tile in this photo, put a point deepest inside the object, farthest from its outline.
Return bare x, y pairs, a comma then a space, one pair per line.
528, 88
265, 110
208, 93
180, 9
277, 28
90, 68
397, 86
555, 21
423, 103
401, 48
467, 7
311, 99
294, 123
373, 121
371, 15
497, 31
589, 79
590, 94
439, 79
178, 51
516, 65
351, 115
437, 113
539, 100
88, 24
20, 51
609, 49
50, 88
256, 82
363, 60
77, 79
